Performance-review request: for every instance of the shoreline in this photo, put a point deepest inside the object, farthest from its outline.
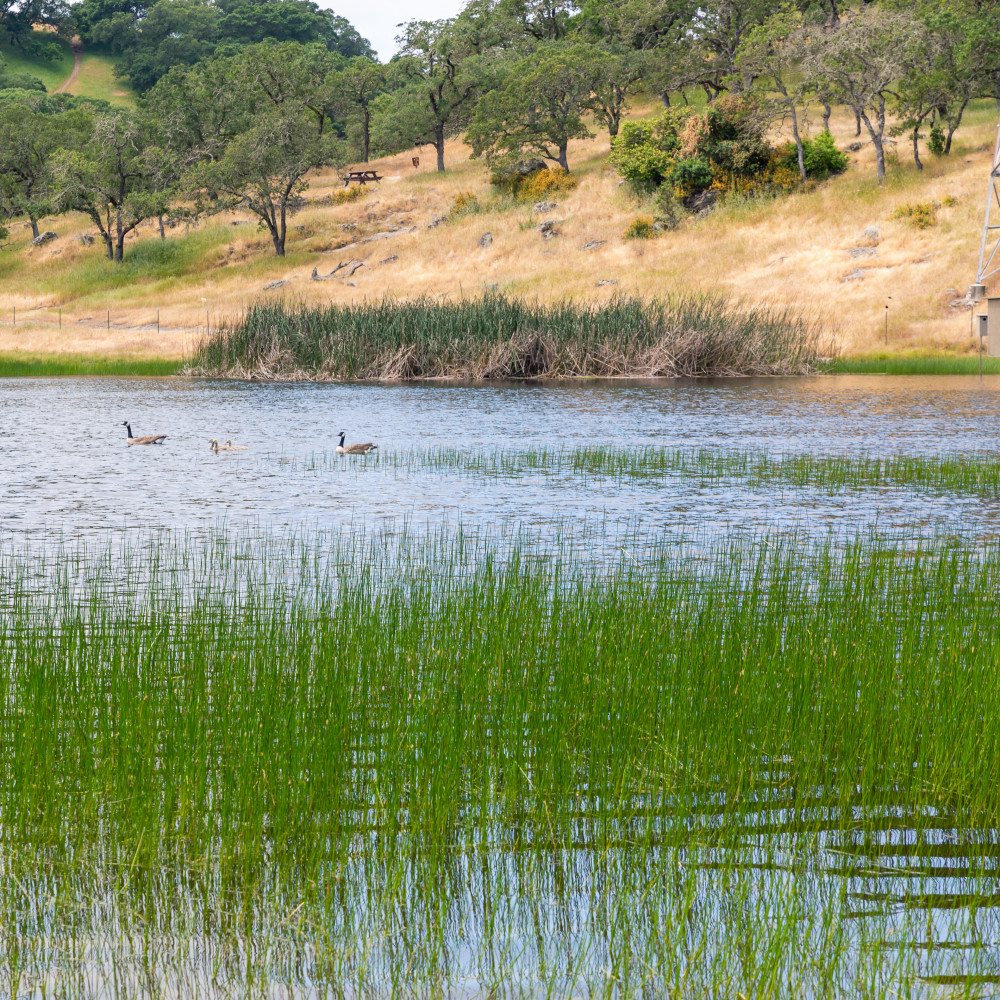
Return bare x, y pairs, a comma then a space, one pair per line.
17, 365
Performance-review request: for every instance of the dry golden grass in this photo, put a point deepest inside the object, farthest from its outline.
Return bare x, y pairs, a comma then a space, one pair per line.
791, 251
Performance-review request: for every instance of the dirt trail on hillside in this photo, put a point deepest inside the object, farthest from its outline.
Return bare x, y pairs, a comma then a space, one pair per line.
71, 79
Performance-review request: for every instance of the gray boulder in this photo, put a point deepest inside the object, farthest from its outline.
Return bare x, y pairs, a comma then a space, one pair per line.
486, 239
42, 238
275, 284
543, 206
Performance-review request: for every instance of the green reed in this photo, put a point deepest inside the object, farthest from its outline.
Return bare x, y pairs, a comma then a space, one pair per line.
500, 337
416, 765
976, 474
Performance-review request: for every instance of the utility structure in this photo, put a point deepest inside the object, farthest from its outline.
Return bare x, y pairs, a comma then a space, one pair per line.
989, 259
989, 262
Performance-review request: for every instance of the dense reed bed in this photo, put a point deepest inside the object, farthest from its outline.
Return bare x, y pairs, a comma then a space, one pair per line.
469, 765
976, 474
500, 337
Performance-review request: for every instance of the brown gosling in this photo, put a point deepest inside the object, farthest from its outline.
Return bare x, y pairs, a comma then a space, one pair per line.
145, 439
234, 447
354, 449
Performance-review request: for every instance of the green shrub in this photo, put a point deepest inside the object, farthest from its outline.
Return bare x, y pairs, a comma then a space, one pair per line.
639, 156
20, 81
640, 228
935, 141
822, 158
694, 174
724, 148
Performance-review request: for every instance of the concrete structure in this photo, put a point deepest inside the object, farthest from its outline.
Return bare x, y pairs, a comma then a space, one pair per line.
993, 327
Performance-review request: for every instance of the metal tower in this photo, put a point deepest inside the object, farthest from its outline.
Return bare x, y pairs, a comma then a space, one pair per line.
989, 264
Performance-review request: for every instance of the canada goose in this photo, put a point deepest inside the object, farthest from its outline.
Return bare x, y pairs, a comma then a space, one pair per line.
228, 446
354, 449
145, 439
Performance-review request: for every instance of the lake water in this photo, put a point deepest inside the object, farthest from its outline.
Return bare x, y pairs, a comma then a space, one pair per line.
67, 472
65, 466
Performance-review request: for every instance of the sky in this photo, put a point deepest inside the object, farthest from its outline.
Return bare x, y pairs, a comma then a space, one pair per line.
377, 19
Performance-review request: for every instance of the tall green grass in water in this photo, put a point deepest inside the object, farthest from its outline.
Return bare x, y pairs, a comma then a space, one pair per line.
500, 337
462, 765
975, 474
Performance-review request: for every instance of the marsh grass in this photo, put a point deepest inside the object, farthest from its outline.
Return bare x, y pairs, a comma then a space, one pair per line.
499, 337
921, 364
975, 474
40, 366
388, 764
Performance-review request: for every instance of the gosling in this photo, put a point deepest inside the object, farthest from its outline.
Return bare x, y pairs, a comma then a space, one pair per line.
145, 439
228, 446
354, 449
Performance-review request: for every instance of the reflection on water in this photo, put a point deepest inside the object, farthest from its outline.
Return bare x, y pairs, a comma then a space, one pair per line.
65, 467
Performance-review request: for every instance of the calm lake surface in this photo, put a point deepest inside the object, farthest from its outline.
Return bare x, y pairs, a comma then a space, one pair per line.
65, 466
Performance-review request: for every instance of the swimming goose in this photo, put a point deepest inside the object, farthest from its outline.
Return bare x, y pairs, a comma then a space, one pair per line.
213, 444
234, 447
354, 449
145, 439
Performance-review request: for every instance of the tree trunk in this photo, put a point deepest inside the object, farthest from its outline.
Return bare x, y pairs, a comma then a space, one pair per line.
119, 237
827, 112
563, 161
439, 145
665, 99
857, 123
34, 226
109, 246
916, 148
798, 140
876, 137
365, 135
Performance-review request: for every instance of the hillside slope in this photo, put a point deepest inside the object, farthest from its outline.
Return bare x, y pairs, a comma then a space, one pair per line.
95, 78
805, 251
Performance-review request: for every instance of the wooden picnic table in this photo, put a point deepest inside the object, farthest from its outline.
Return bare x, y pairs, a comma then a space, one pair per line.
362, 177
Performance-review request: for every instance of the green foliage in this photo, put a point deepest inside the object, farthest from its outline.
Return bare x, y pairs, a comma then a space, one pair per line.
640, 156
936, 140
540, 107
20, 81
150, 38
821, 155
692, 174
919, 215
723, 148
640, 228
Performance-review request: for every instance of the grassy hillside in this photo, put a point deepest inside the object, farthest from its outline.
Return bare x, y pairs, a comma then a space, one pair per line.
799, 252
95, 79
50, 72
